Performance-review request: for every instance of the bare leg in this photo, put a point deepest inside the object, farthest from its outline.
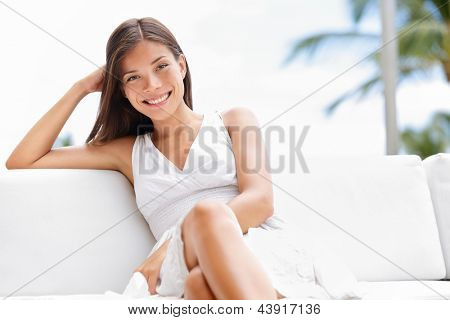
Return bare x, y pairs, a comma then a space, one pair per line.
212, 241
196, 287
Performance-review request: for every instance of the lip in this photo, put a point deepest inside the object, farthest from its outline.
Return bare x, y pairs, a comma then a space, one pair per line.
159, 105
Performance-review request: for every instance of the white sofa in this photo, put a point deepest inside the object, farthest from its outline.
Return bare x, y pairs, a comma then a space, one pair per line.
65, 233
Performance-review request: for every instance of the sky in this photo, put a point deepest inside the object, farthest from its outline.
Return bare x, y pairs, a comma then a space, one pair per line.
235, 51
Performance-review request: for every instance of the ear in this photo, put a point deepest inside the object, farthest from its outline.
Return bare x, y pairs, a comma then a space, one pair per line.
182, 64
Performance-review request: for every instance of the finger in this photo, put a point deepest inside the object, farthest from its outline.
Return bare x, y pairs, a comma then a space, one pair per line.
151, 286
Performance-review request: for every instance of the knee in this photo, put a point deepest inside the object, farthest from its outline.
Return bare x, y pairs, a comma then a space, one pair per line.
209, 218
208, 212
208, 207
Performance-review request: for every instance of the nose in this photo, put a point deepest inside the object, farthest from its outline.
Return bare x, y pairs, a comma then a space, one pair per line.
151, 82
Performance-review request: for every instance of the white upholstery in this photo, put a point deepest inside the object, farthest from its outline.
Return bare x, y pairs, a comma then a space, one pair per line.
418, 290
382, 201
46, 215
83, 221
380, 290
438, 174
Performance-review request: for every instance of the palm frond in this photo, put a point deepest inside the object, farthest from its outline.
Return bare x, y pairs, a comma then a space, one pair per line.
359, 8
375, 85
361, 91
441, 123
312, 43
425, 40
420, 143
414, 10
407, 10
410, 69
443, 7
432, 139
407, 64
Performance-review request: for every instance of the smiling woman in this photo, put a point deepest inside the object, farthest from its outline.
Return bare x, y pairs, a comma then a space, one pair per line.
207, 226
144, 63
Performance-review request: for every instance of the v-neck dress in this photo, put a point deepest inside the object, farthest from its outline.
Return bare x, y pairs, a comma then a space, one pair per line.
165, 194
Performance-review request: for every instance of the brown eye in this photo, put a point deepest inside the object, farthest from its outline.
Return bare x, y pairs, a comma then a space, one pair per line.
162, 66
131, 78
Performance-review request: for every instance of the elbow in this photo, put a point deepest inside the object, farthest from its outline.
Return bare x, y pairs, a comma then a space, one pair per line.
11, 164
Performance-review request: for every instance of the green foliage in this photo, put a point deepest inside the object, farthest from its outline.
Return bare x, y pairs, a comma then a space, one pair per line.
63, 141
423, 43
432, 139
423, 40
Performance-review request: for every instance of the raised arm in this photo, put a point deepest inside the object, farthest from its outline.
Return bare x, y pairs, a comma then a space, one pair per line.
35, 149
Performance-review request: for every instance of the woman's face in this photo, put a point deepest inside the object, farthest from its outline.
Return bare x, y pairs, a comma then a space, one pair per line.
149, 72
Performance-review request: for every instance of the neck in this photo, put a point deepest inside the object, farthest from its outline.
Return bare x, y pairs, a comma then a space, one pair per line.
176, 122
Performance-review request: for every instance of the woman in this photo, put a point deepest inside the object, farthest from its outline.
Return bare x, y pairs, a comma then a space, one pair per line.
146, 116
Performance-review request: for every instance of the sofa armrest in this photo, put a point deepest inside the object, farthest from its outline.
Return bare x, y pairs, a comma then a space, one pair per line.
437, 168
66, 231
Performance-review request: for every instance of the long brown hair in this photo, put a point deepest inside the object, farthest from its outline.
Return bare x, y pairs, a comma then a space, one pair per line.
116, 116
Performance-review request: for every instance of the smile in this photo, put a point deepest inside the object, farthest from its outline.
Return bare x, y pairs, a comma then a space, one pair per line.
157, 102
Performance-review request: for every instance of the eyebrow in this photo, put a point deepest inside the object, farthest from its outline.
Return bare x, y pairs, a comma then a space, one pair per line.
153, 62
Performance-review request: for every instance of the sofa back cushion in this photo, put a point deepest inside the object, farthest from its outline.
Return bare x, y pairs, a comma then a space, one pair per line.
69, 232
438, 174
374, 212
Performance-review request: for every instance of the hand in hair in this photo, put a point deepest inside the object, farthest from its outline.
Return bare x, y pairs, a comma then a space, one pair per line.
94, 81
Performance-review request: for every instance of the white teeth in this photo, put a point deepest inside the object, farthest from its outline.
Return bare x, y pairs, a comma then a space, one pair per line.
164, 97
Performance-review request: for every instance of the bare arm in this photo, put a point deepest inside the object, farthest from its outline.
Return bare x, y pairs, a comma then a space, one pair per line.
39, 140
35, 149
254, 204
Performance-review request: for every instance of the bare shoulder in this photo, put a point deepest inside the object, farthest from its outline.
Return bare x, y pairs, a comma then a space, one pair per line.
119, 151
239, 117
121, 148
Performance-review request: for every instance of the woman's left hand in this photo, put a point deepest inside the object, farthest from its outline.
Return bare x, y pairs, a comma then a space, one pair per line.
151, 267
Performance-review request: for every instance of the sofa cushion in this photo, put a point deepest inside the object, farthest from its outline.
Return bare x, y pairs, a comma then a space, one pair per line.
373, 211
438, 174
416, 290
68, 232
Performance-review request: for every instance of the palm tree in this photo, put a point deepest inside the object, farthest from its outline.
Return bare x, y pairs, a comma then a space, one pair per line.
423, 42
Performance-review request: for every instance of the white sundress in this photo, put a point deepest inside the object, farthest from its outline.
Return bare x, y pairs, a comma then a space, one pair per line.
165, 194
